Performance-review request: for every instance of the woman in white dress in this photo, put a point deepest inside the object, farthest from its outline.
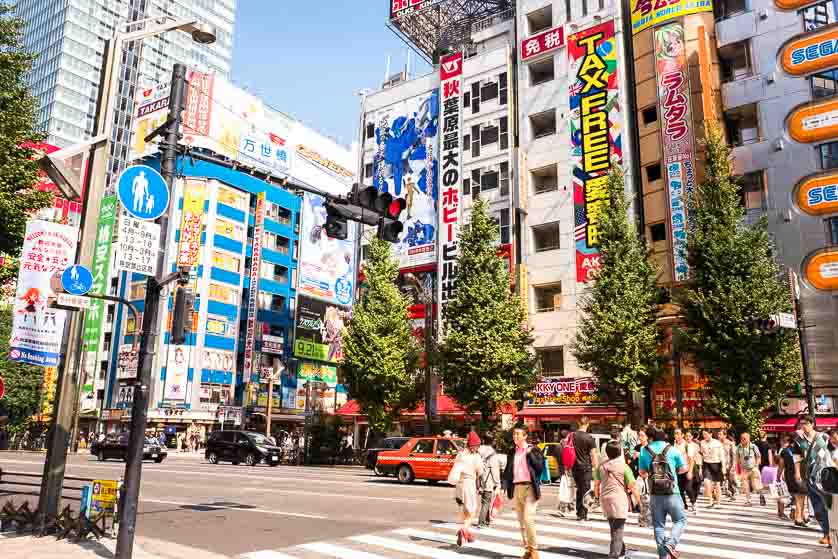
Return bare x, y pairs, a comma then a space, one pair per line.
465, 473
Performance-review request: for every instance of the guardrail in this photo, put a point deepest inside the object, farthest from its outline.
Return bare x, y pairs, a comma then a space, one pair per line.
10, 480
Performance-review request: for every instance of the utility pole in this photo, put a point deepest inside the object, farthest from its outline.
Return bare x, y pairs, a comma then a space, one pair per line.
807, 377
151, 326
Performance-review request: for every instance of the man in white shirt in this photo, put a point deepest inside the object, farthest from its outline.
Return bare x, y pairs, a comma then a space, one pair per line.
711, 454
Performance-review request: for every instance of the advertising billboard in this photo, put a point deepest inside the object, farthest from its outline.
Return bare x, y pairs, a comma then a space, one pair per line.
177, 373
648, 13
327, 265
405, 164
37, 330
595, 135
310, 371
318, 330
401, 8
451, 175
191, 222
151, 109
677, 137
542, 43
810, 52
820, 269
813, 121
817, 194
571, 391
255, 265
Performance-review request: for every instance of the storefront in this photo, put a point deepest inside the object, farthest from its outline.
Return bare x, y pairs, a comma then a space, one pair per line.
558, 403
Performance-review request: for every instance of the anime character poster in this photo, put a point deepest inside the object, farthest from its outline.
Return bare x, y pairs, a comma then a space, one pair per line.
405, 165
319, 330
595, 136
327, 266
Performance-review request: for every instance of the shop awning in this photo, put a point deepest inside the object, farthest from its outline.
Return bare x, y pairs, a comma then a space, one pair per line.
786, 424
560, 413
445, 405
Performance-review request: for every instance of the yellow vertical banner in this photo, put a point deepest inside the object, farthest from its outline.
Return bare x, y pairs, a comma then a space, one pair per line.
189, 247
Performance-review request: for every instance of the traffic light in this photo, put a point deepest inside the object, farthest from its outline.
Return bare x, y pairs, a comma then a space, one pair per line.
182, 315
336, 226
386, 206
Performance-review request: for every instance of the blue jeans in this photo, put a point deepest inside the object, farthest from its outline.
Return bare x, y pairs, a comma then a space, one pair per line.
673, 506
821, 514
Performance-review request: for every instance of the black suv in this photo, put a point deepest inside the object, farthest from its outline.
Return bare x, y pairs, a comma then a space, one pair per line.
241, 446
390, 443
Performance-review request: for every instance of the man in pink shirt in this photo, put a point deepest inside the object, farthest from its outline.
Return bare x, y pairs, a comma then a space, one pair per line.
522, 477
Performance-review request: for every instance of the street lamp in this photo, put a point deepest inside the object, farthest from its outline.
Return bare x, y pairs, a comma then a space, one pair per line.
426, 297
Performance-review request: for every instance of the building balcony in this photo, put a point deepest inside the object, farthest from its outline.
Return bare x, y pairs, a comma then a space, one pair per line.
744, 90
754, 156
737, 27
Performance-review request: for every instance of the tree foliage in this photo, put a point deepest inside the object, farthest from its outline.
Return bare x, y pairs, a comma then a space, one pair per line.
379, 349
18, 173
734, 281
618, 338
23, 382
486, 357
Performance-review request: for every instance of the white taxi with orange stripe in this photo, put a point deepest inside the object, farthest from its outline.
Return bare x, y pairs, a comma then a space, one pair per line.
429, 458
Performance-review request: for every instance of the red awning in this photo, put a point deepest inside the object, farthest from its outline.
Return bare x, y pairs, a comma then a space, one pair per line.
445, 405
786, 424
565, 412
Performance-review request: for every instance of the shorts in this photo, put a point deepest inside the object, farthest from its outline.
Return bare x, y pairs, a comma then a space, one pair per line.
713, 472
753, 478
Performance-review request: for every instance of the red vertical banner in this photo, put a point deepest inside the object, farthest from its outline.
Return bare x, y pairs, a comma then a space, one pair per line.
450, 173
252, 308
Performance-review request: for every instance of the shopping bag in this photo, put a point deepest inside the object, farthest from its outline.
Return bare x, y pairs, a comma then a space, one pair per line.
644, 519
456, 473
545, 473
565, 494
779, 490
497, 506
769, 475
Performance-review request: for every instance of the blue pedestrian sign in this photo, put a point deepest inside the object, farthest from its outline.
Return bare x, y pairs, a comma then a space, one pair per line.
143, 192
76, 280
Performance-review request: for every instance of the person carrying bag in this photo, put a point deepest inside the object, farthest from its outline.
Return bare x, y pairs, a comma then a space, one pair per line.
613, 481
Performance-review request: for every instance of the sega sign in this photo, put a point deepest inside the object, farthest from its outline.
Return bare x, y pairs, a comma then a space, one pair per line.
817, 194
400, 8
809, 53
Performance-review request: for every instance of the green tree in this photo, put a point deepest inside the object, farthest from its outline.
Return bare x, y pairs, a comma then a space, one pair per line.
486, 357
618, 338
18, 173
379, 350
734, 281
23, 382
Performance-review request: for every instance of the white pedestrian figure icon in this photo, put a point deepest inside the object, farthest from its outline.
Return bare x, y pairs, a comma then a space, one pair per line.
139, 191
74, 274
149, 204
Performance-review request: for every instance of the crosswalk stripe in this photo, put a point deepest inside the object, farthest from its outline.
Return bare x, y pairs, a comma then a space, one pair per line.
396, 545
688, 536
265, 554
331, 550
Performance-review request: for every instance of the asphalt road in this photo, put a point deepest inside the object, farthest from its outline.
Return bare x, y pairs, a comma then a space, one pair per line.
231, 510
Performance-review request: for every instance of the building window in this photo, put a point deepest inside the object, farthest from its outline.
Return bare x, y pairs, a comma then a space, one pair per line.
466, 187
229, 229
828, 155
475, 141
542, 71
504, 179
489, 91
824, 84
543, 124
657, 232
654, 172
370, 130
224, 293
753, 191
743, 125
735, 62
365, 252
475, 97
505, 227
729, 8
490, 179
816, 17
540, 19
650, 115
232, 198
226, 261
368, 172
545, 179
274, 272
831, 230
504, 89
546, 237
552, 360
276, 242
271, 302
278, 213
548, 298
504, 133
475, 181
489, 135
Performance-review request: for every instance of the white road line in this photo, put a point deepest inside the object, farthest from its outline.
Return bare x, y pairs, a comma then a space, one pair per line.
493, 547
412, 548
241, 509
338, 551
266, 554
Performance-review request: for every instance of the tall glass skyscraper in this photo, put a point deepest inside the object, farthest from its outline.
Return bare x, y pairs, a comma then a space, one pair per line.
68, 37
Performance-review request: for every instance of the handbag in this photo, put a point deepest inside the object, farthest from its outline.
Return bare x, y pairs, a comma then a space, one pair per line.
456, 473
497, 506
545, 473
769, 475
779, 490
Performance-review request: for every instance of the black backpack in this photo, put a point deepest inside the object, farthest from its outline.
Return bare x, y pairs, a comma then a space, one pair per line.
663, 481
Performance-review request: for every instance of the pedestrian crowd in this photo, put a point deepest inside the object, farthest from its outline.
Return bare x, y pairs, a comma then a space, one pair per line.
645, 472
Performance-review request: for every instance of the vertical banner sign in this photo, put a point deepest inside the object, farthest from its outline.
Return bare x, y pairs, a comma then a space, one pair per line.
93, 318
676, 130
37, 330
177, 374
255, 266
451, 171
189, 247
595, 136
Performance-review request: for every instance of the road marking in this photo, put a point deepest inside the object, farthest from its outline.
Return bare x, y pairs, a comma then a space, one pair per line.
242, 509
338, 551
343, 495
266, 554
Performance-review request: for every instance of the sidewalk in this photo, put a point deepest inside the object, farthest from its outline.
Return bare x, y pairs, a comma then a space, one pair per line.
30, 547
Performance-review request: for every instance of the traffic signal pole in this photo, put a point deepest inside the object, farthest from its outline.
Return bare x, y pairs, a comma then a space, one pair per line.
150, 327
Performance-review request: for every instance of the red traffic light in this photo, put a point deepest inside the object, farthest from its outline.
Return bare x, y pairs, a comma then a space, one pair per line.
396, 207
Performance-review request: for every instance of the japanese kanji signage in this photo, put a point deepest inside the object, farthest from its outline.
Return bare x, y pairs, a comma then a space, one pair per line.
93, 318
451, 173
595, 131
255, 266
189, 247
677, 137
139, 242
542, 43
37, 330
648, 13
400, 8
151, 108
127, 361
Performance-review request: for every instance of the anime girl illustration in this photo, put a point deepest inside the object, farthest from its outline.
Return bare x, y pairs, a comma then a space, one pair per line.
34, 303
333, 324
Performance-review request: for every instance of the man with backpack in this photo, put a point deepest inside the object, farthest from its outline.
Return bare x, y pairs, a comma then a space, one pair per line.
490, 483
812, 449
580, 456
660, 464
748, 458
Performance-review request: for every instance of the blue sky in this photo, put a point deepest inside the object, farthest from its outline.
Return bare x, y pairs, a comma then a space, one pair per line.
308, 58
